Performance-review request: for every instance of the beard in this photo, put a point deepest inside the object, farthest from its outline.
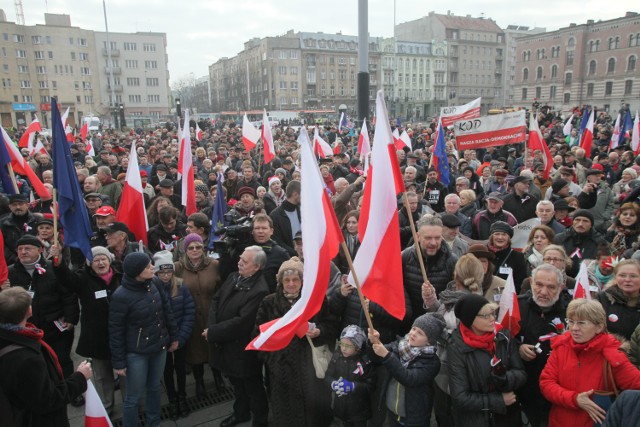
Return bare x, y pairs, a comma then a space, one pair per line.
545, 304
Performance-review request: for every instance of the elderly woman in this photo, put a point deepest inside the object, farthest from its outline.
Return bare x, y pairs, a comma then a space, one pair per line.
199, 273
468, 203
298, 397
623, 187
540, 237
621, 299
625, 230
506, 259
578, 365
485, 369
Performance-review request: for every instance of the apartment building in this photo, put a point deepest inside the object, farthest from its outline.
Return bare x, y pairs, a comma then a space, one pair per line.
511, 35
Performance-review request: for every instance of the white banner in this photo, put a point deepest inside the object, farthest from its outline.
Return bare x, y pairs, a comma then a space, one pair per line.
521, 233
487, 131
452, 114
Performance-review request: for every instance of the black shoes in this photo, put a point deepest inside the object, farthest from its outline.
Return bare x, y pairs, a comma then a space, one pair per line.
78, 401
174, 412
200, 390
183, 407
218, 382
233, 420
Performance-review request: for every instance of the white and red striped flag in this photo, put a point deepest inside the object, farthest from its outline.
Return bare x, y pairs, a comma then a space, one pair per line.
536, 142
566, 130
95, 415
321, 236
509, 314
250, 135
20, 166
198, 133
378, 263
615, 137
26, 140
395, 135
406, 140
364, 143
186, 168
635, 135
320, 146
581, 289
131, 209
587, 136
470, 110
267, 139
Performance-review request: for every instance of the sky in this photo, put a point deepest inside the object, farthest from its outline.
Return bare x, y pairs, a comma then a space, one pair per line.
199, 32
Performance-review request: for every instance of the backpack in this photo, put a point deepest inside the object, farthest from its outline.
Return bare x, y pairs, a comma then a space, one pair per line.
11, 417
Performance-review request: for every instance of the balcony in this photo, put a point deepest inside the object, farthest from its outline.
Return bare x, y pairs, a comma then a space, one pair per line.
116, 88
114, 52
116, 70
311, 81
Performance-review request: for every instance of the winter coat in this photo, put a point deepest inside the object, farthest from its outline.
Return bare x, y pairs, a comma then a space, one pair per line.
477, 399
12, 230
405, 225
569, 372
298, 397
622, 318
140, 320
510, 258
202, 282
232, 317
282, 226
183, 309
481, 222
625, 408
95, 297
523, 208
439, 270
33, 386
434, 194
160, 240
603, 210
355, 406
341, 259
276, 255
579, 247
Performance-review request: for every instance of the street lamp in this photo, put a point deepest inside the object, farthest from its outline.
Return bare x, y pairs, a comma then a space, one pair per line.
178, 109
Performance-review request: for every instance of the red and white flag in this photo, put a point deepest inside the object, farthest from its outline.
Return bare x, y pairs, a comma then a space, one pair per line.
198, 133
509, 314
635, 135
405, 139
470, 110
320, 146
84, 130
26, 140
566, 130
364, 143
186, 166
378, 263
396, 139
39, 148
615, 137
20, 166
250, 135
267, 139
95, 415
536, 142
321, 236
581, 289
131, 209
587, 136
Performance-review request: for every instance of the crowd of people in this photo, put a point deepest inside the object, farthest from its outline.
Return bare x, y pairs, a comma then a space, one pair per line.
184, 304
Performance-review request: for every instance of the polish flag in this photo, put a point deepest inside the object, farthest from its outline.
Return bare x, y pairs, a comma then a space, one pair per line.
131, 209
321, 240
89, 147
181, 147
21, 167
84, 130
320, 146
396, 139
364, 143
94, 413
39, 148
29, 133
65, 118
536, 142
405, 139
509, 314
186, 161
635, 136
615, 137
267, 139
250, 135
336, 146
587, 137
378, 263
198, 133
581, 289
568, 126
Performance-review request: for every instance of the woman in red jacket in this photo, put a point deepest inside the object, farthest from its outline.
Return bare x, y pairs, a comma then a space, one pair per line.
575, 369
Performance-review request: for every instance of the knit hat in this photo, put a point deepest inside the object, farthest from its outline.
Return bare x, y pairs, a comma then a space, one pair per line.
432, 324
281, 170
631, 172
246, 190
135, 263
585, 214
558, 184
355, 334
501, 226
202, 188
162, 260
190, 238
101, 250
29, 239
292, 264
273, 180
468, 307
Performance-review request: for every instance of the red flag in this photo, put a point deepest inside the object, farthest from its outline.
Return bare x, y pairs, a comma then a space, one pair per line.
250, 135
84, 130
364, 144
198, 133
378, 263
267, 139
320, 146
509, 315
537, 143
587, 137
396, 139
29, 133
321, 238
94, 413
131, 209
581, 289
21, 167
186, 161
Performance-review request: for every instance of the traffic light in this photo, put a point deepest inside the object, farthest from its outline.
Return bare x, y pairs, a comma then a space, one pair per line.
178, 107
123, 121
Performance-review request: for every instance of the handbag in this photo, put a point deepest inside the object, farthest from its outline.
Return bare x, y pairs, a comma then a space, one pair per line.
320, 356
605, 398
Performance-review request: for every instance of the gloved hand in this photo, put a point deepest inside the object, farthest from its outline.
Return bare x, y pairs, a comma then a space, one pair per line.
334, 386
345, 387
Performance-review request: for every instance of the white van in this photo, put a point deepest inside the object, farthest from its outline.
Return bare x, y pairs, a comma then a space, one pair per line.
94, 123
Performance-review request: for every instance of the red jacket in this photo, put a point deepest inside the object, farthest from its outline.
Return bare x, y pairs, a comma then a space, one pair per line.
568, 373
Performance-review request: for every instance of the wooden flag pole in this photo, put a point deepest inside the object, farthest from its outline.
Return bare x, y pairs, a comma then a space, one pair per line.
260, 161
357, 282
13, 178
415, 238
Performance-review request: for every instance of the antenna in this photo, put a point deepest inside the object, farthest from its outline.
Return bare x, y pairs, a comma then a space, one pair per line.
19, 12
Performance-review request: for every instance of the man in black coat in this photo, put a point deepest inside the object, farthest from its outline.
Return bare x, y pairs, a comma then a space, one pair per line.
232, 319
520, 203
581, 240
286, 218
261, 232
16, 224
434, 191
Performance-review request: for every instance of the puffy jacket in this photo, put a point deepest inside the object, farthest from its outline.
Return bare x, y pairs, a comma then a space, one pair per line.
140, 320
625, 408
587, 243
481, 222
522, 208
622, 318
12, 230
183, 309
570, 372
439, 270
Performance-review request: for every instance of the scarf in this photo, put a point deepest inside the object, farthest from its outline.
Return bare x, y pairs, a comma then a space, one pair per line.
277, 199
535, 259
486, 341
408, 353
351, 240
107, 277
30, 331
601, 277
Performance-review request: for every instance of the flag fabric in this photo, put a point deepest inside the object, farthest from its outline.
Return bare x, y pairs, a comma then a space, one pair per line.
39, 148
186, 161
378, 263
364, 143
583, 121
72, 212
26, 140
89, 147
321, 147
635, 135
470, 110
581, 289
615, 137
566, 130
250, 135
84, 130
20, 166
406, 139
5, 162
536, 142
218, 220
321, 238
95, 415
198, 133
267, 139
509, 314
343, 122
587, 136
181, 148
131, 209
440, 161
397, 142
625, 127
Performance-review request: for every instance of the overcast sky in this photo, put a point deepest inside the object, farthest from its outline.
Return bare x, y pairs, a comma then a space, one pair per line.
199, 32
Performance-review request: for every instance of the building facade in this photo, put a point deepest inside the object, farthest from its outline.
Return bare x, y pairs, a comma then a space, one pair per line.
593, 63
511, 35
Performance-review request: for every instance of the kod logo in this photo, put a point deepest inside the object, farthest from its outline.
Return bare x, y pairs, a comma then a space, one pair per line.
469, 125
448, 110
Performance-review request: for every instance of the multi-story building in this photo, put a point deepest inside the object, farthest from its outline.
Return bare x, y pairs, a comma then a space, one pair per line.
475, 56
70, 63
593, 63
511, 35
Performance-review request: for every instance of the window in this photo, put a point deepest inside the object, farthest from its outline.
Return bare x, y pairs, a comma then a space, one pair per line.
73, 56
294, 54
567, 98
54, 84
112, 45
525, 74
85, 71
154, 99
39, 54
83, 56
628, 87
23, 68
151, 65
36, 39
41, 69
25, 84
554, 71
86, 85
611, 65
133, 81
50, 54
552, 92
88, 99
608, 88
149, 47
590, 88
135, 98
43, 84
27, 98
283, 85
570, 57
45, 99
592, 67
131, 63
294, 85
294, 100
76, 85
283, 54
283, 100
594, 45
524, 93
82, 42
21, 53
631, 63
538, 92
568, 78
71, 40
293, 71
18, 38
282, 71
153, 81
5, 68
539, 73
130, 46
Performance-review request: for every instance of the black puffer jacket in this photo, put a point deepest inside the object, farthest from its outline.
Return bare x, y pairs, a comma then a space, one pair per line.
355, 406
160, 239
14, 228
509, 258
622, 318
439, 272
140, 320
587, 243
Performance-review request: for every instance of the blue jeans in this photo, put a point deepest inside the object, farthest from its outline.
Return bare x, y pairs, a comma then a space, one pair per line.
144, 373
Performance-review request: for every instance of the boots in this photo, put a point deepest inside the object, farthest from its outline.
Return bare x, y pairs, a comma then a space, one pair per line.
183, 407
218, 381
200, 391
174, 413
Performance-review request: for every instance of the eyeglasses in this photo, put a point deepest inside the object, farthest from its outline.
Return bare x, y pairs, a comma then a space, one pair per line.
579, 323
553, 260
345, 345
195, 248
488, 315
164, 272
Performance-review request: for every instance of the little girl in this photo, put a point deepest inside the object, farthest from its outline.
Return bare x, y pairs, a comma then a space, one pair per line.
351, 378
412, 364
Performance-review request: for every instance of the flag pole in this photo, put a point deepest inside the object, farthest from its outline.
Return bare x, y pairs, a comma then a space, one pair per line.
259, 160
415, 237
55, 222
13, 178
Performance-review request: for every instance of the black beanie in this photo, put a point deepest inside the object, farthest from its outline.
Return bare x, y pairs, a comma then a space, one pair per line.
585, 214
558, 184
468, 307
135, 263
29, 239
501, 226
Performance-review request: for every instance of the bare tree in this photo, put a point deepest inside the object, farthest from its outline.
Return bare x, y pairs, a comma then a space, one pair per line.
184, 88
